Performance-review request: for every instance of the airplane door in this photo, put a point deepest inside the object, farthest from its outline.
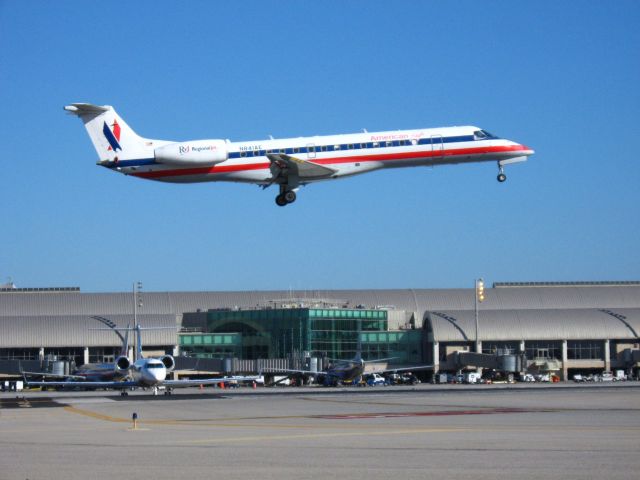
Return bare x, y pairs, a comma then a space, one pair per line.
311, 150
437, 145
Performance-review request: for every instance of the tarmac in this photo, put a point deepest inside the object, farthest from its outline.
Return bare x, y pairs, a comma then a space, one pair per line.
448, 432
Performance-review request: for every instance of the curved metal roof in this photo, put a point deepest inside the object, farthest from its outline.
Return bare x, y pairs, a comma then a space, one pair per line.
534, 311
78, 331
551, 324
417, 300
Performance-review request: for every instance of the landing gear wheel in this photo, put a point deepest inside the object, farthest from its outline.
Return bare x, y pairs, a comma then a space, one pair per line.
280, 201
290, 196
501, 177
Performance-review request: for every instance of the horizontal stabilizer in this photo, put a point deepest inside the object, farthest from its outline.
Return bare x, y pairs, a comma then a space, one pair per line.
81, 109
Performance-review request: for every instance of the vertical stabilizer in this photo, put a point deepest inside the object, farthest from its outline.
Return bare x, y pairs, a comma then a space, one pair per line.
112, 138
138, 343
125, 344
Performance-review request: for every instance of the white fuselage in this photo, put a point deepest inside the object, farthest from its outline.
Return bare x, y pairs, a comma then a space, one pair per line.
349, 154
148, 372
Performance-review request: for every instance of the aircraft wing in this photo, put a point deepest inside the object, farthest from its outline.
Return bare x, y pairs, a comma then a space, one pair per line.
86, 384
205, 381
402, 369
286, 370
52, 375
303, 169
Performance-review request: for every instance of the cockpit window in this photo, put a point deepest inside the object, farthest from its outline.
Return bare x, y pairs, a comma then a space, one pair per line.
154, 365
483, 135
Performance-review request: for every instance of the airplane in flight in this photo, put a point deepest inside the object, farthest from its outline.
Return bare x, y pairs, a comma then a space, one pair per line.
288, 163
143, 372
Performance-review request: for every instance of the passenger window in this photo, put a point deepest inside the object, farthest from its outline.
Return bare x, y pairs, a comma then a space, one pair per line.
312, 149
376, 144
363, 145
389, 144
296, 150
336, 147
350, 146
414, 142
243, 154
324, 148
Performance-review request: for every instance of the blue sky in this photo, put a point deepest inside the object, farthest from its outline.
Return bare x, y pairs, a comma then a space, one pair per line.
560, 77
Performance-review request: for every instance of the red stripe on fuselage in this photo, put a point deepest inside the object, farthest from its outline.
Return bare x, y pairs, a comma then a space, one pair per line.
216, 169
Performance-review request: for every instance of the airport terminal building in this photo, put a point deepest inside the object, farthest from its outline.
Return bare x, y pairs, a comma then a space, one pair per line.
557, 327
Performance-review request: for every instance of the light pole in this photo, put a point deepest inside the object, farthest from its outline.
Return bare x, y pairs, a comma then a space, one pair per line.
137, 303
479, 297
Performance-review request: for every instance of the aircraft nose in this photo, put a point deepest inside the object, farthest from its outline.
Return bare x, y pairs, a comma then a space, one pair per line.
527, 150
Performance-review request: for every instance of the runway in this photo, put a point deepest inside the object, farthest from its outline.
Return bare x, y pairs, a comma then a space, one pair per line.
363, 433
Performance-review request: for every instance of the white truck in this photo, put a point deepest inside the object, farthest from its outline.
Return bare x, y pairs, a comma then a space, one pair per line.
620, 375
472, 377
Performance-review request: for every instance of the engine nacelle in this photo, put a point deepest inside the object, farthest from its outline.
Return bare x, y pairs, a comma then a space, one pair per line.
198, 152
122, 364
169, 362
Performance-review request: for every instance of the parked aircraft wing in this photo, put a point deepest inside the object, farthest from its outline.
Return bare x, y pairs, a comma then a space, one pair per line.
52, 375
205, 381
86, 384
402, 369
287, 370
303, 169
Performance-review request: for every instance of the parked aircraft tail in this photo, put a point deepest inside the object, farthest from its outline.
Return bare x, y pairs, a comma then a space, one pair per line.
112, 138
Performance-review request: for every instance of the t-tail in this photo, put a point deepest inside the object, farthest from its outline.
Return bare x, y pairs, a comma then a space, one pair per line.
112, 138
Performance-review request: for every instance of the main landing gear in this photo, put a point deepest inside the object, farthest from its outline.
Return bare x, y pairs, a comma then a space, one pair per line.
285, 197
501, 176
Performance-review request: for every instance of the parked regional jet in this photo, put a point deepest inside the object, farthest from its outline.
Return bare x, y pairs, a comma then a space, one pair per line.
143, 372
95, 372
348, 371
291, 162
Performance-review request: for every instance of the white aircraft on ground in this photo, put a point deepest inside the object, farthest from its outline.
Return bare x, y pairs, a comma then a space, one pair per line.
289, 162
143, 372
347, 371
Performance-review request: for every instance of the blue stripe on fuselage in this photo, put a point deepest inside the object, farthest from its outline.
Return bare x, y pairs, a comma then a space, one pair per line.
369, 145
138, 162
300, 150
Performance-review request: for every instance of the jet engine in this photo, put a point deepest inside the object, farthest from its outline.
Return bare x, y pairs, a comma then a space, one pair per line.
169, 362
196, 153
122, 364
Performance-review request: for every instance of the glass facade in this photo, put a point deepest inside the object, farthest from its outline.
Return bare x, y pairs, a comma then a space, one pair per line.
500, 346
585, 350
212, 345
280, 333
543, 349
403, 346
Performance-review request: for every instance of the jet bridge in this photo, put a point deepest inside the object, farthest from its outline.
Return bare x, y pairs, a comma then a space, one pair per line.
501, 361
